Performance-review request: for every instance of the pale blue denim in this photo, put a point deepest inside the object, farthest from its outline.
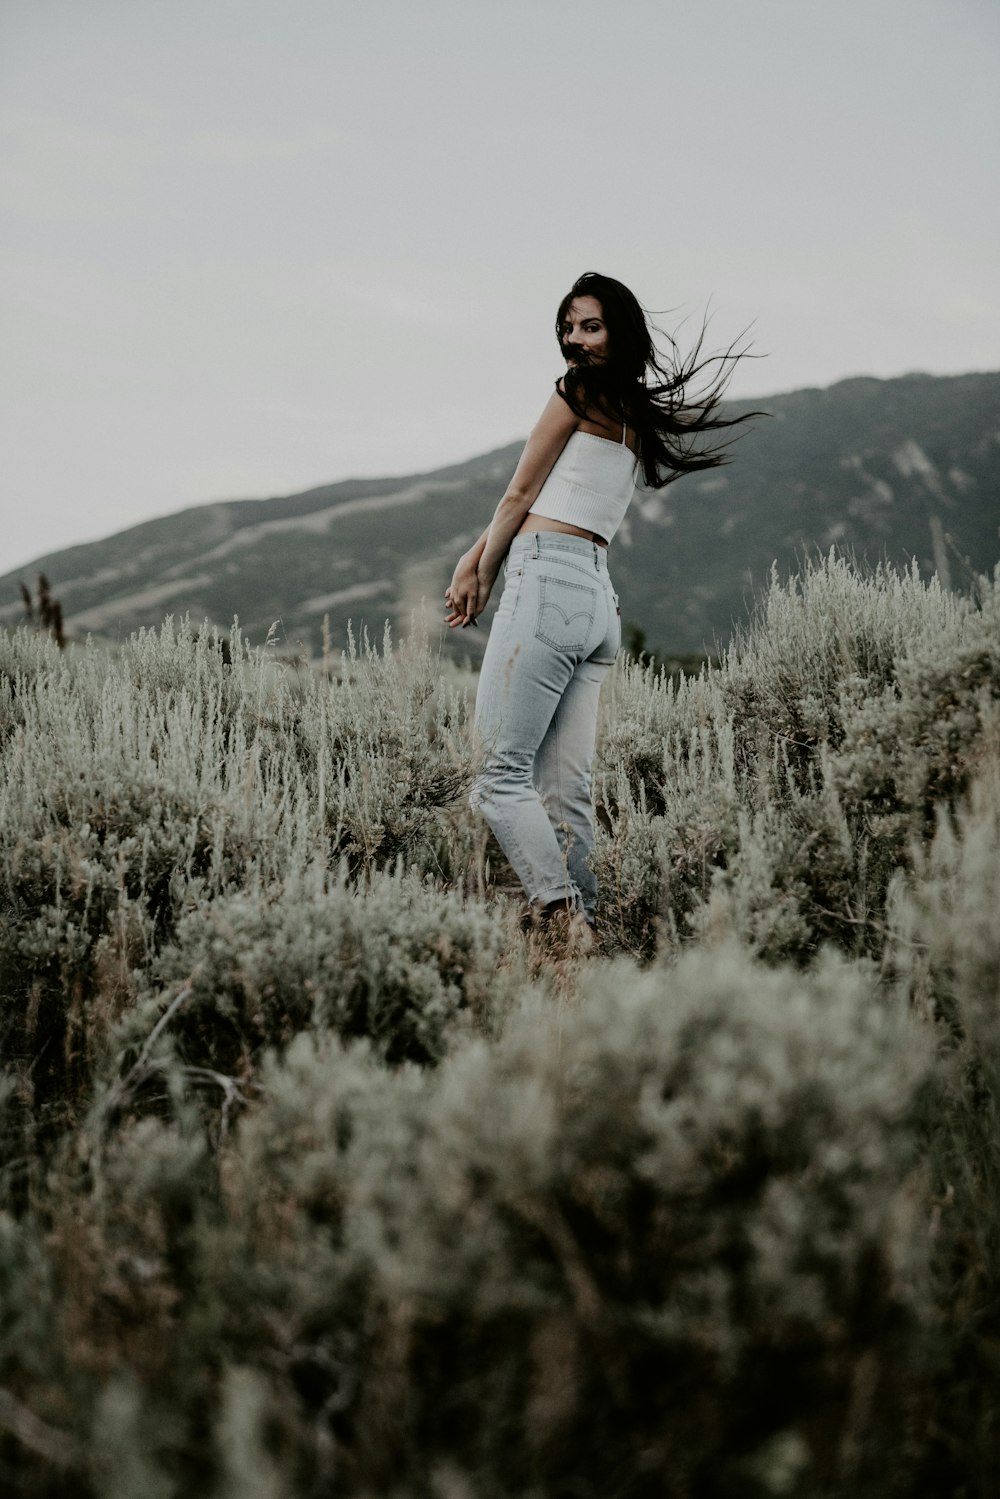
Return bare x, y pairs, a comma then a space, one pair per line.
554, 636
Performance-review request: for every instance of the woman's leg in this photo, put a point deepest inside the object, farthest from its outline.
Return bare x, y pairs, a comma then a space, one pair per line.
517, 699
554, 635
521, 685
563, 770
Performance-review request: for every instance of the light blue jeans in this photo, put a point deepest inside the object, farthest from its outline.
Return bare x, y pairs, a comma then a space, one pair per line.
554, 636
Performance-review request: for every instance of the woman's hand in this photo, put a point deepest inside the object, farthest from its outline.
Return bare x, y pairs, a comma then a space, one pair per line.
465, 595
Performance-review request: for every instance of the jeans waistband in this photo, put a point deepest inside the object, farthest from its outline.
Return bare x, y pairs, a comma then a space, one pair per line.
552, 543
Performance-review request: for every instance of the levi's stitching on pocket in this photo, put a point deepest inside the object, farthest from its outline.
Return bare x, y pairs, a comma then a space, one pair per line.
565, 613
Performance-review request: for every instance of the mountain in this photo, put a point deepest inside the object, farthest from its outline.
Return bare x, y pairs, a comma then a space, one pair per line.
897, 469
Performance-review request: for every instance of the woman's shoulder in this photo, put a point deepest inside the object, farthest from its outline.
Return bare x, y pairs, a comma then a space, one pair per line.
558, 414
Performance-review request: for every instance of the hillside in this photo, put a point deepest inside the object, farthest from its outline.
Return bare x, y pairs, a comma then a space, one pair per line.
899, 469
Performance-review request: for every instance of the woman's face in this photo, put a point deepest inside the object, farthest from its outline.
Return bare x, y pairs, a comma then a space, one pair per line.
583, 334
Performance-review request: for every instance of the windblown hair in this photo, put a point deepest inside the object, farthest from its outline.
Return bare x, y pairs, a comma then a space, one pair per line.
655, 393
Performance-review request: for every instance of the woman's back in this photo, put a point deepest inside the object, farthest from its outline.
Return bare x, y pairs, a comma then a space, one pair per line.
590, 485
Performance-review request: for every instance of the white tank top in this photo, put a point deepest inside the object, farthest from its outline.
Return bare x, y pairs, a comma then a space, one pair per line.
590, 484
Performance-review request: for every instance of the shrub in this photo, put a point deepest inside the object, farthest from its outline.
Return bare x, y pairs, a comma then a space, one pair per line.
141, 785
118, 806
386, 749
667, 795
834, 633
619, 1252
788, 784
943, 953
307, 1187
916, 747
398, 962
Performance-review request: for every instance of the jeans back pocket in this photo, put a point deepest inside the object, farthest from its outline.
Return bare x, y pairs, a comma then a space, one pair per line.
565, 613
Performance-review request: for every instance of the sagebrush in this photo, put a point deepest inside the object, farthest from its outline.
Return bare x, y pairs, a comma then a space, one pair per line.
321, 1176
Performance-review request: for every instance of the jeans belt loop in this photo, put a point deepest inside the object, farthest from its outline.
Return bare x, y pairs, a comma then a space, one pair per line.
534, 544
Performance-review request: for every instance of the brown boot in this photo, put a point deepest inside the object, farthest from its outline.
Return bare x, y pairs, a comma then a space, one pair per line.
564, 929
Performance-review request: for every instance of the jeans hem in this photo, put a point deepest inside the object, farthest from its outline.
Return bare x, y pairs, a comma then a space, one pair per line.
568, 893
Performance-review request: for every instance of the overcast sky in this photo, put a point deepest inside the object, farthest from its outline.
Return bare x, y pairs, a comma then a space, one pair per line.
250, 246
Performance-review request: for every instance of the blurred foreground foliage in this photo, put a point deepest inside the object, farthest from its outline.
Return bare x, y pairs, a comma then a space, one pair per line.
320, 1177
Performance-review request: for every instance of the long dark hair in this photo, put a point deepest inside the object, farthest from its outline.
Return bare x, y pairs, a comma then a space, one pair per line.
655, 393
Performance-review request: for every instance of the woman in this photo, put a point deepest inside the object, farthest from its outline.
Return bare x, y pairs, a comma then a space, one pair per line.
617, 410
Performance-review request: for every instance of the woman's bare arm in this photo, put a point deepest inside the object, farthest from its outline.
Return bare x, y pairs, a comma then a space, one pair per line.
477, 571
548, 438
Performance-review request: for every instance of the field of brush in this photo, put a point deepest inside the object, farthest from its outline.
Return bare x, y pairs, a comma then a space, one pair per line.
319, 1177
